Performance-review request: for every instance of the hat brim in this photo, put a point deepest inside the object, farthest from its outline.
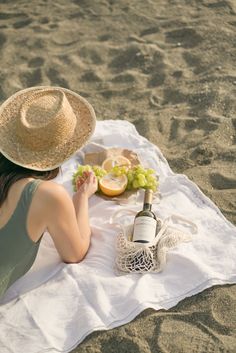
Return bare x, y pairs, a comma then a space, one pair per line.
49, 159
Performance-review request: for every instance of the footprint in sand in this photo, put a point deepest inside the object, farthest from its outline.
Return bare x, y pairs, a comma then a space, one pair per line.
104, 37
222, 5
36, 62
56, 79
53, 25
206, 125
186, 127
79, 2
128, 58
174, 127
90, 76
124, 78
234, 130
123, 344
173, 96
31, 78
2, 93
184, 335
157, 68
202, 155
142, 126
202, 101
44, 20
8, 16
222, 310
21, 24
40, 29
157, 79
178, 74
187, 37
77, 15
3, 39
91, 55
148, 31
221, 182
194, 61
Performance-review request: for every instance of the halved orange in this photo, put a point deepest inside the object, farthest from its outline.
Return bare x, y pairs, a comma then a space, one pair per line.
111, 162
112, 185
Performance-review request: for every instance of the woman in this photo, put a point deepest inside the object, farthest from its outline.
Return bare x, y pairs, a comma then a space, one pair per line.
40, 128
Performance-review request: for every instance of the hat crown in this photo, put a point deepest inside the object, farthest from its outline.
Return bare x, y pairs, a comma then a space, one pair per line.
46, 120
41, 109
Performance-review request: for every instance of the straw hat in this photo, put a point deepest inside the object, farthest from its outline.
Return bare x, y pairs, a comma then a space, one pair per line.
41, 127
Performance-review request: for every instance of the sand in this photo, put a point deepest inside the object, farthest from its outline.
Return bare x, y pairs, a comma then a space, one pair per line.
168, 66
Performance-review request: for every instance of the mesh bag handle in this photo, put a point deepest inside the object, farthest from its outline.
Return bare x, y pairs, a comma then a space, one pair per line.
113, 218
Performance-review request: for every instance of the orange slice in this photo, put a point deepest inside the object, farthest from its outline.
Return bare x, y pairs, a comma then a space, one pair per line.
111, 162
112, 185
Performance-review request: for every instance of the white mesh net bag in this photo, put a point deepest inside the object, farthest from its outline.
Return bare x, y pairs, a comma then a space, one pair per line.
150, 257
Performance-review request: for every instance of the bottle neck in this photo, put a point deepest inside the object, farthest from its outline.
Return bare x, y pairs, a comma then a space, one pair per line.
147, 206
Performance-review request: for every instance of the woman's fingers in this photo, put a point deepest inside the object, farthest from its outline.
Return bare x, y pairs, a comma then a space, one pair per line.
88, 177
91, 176
87, 173
80, 181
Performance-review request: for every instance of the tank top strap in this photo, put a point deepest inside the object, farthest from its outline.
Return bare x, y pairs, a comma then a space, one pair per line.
27, 195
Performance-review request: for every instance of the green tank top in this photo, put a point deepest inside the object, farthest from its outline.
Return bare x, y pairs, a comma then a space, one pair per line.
17, 250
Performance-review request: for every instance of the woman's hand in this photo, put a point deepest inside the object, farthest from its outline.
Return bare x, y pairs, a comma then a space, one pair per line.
87, 184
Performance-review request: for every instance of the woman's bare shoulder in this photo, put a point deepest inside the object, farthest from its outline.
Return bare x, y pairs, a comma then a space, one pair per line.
50, 191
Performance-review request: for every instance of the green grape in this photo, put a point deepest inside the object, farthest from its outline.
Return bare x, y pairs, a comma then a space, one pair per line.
135, 184
139, 168
129, 186
152, 183
150, 171
142, 180
130, 176
149, 178
119, 170
115, 170
99, 171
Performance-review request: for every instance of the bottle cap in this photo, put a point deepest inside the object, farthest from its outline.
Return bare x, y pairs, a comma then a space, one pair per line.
148, 196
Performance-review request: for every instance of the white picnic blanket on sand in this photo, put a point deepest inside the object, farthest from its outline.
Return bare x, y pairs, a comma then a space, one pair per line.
55, 305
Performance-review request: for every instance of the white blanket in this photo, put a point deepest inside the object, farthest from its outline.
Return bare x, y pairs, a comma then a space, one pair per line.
55, 306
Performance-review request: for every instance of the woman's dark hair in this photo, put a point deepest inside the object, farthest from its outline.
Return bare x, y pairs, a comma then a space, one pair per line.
11, 172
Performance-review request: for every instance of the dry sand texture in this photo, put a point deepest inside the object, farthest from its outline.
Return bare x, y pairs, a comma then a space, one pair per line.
168, 66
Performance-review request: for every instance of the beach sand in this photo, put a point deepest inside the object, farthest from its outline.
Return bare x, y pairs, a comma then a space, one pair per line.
167, 66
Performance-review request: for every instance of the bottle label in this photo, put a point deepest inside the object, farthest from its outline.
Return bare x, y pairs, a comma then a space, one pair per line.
144, 229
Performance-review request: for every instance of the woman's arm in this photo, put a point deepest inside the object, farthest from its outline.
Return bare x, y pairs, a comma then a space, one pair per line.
86, 187
80, 201
67, 220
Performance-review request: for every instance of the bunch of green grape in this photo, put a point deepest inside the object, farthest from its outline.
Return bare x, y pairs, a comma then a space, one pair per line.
98, 171
138, 177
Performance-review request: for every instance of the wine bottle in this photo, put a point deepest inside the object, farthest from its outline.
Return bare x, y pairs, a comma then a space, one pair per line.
145, 222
